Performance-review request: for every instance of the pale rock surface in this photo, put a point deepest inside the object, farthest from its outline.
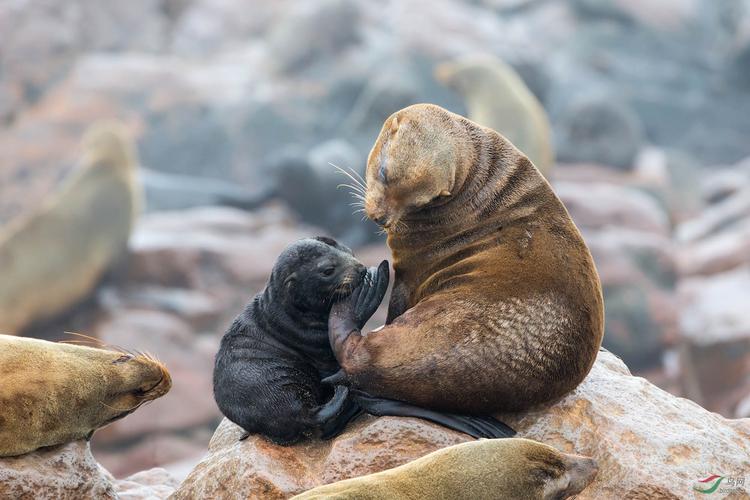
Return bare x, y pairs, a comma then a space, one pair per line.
626, 423
70, 472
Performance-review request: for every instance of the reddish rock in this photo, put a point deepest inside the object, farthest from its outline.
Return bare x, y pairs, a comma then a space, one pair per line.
624, 422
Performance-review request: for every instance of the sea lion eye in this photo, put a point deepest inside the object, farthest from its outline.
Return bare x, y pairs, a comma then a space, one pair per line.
122, 359
328, 271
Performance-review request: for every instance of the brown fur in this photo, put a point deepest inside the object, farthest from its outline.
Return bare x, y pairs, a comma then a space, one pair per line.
496, 303
53, 393
485, 469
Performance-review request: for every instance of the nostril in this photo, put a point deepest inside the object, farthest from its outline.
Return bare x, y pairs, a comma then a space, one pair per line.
380, 221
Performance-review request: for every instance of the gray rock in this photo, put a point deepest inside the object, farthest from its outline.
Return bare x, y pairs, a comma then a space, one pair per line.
599, 130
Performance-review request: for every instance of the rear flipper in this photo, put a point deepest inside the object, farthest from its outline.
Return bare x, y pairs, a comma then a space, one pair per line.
476, 427
333, 416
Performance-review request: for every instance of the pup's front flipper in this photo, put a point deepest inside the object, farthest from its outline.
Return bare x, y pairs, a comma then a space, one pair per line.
349, 316
476, 427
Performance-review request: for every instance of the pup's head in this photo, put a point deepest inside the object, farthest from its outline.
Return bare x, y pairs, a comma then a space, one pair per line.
313, 272
414, 163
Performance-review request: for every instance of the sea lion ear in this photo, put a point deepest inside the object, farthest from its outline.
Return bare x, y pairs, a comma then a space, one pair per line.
445, 192
394, 124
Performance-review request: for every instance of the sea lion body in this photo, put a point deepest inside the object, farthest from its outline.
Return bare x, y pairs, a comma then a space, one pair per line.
269, 371
53, 393
52, 258
479, 470
498, 98
496, 304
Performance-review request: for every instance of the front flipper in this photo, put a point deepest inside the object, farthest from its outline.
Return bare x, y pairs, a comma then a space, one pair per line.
476, 427
349, 316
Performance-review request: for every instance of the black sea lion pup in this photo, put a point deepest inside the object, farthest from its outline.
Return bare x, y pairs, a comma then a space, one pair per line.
268, 371
267, 376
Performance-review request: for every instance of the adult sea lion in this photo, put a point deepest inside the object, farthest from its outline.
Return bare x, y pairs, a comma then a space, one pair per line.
268, 371
52, 258
498, 98
53, 393
486, 469
496, 304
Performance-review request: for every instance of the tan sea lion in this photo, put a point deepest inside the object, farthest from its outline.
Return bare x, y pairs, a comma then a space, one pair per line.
496, 304
52, 258
497, 97
53, 393
485, 469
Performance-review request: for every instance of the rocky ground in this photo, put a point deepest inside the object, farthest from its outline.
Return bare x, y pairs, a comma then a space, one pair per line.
237, 110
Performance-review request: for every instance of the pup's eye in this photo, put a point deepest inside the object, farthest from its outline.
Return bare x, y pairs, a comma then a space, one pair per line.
328, 271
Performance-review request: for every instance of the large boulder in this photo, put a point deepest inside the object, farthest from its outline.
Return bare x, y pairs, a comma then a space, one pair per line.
628, 425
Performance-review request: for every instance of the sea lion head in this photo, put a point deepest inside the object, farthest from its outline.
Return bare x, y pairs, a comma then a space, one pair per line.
140, 378
419, 159
54, 393
560, 475
312, 273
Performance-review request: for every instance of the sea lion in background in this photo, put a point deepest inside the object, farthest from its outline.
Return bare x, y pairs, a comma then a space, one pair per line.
486, 469
53, 258
53, 393
497, 98
268, 371
496, 304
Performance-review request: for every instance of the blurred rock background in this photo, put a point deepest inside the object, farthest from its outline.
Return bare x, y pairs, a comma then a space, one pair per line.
237, 108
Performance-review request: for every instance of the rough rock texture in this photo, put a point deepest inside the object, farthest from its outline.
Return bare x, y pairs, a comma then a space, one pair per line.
70, 472
64, 472
643, 439
150, 484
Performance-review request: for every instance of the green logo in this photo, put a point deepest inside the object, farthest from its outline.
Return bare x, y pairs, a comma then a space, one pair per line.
709, 484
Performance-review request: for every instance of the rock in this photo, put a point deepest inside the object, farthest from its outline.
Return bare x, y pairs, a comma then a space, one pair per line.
601, 131
67, 472
70, 472
715, 344
313, 33
722, 184
152, 450
626, 424
152, 484
717, 253
638, 275
598, 205
728, 213
166, 192
212, 249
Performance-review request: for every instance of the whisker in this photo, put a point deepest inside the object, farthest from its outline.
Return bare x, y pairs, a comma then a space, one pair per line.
364, 182
355, 188
361, 183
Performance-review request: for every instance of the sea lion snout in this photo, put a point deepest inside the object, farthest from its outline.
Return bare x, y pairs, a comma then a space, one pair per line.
144, 379
581, 471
